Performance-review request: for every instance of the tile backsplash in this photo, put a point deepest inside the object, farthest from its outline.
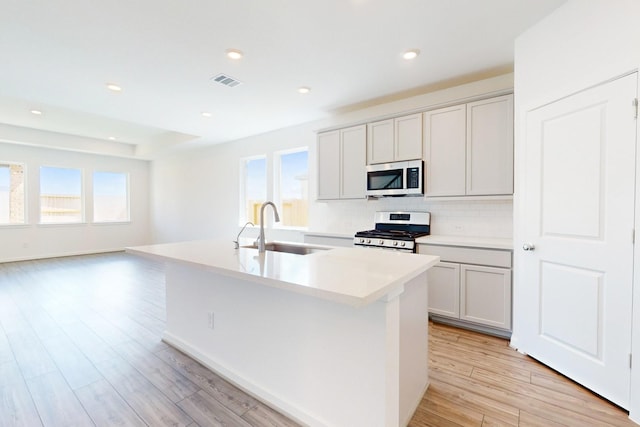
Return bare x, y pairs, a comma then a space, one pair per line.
485, 218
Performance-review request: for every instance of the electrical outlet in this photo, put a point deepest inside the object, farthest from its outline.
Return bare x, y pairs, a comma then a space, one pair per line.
210, 320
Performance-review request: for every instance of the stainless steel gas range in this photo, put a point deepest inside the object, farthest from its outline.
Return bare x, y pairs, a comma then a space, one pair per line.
395, 230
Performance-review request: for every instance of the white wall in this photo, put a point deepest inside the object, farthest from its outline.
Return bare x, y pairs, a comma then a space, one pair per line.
195, 194
581, 44
33, 240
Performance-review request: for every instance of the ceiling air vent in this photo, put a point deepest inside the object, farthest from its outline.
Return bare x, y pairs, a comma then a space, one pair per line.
226, 80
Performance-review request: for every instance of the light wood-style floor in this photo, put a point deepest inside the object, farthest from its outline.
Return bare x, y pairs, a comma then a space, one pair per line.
80, 345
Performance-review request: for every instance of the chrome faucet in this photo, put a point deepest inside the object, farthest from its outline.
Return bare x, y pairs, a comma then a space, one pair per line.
237, 245
261, 247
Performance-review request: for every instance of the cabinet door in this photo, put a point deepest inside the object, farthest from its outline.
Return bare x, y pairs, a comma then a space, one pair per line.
329, 165
490, 146
408, 137
485, 295
380, 142
353, 164
444, 289
445, 151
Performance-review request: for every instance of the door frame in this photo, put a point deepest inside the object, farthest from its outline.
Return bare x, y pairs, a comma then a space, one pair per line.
634, 395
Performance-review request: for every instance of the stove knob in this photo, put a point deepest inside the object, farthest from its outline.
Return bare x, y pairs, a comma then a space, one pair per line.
402, 244
361, 240
381, 242
395, 243
368, 241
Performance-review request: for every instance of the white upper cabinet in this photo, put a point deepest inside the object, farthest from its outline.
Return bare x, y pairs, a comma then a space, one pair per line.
408, 137
395, 140
380, 142
469, 149
341, 163
490, 146
353, 168
445, 151
329, 165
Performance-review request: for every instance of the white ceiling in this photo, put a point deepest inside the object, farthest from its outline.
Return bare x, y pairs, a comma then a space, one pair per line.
58, 55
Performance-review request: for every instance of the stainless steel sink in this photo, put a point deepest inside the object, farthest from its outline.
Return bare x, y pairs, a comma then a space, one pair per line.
289, 248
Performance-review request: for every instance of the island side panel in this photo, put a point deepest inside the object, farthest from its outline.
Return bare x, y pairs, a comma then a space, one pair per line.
414, 347
322, 363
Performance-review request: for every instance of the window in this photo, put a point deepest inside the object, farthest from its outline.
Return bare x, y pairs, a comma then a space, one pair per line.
60, 195
254, 180
12, 199
110, 197
292, 187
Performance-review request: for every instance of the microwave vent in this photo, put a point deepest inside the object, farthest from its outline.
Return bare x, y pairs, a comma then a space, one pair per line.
226, 80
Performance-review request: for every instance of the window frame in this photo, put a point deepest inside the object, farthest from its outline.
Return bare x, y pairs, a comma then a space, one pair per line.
127, 176
82, 198
242, 199
25, 188
277, 189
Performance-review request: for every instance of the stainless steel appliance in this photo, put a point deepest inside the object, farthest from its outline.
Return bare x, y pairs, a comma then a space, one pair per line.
395, 230
395, 179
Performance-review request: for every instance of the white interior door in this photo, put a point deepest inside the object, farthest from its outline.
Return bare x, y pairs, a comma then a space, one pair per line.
578, 220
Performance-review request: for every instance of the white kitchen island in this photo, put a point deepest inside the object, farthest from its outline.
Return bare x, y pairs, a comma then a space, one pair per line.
333, 338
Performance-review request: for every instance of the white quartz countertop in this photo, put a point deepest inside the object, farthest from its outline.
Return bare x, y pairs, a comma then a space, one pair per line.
353, 276
326, 234
471, 242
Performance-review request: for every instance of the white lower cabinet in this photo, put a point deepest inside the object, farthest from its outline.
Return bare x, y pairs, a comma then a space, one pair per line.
485, 295
467, 293
444, 289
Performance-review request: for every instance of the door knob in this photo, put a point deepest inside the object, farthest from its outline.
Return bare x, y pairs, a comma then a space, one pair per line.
528, 247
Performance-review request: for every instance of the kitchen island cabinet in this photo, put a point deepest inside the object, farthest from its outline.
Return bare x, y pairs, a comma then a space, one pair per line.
334, 338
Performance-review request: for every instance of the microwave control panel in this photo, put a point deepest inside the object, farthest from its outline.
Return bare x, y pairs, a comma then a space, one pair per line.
413, 178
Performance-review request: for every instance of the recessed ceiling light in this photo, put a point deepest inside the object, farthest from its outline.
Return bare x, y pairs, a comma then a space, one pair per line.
234, 54
114, 87
36, 112
206, 114
304, 89
411, 54
112, 138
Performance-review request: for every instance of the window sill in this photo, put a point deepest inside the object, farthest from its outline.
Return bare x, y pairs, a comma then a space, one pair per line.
7, 226
111, 223
61, 224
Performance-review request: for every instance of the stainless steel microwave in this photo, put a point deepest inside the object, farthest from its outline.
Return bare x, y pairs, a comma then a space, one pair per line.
395, 179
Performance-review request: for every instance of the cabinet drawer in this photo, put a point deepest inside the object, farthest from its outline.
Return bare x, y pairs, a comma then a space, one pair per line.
492, 257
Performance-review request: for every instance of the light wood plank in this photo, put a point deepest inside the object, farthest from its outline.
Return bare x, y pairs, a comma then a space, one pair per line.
77, 370
30, 354
148, 402
472, 399
106, 407
56, 403
263, 416
173, 384
90, 344
213, 384
16, 406
206, 410
530, 420
443, 408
